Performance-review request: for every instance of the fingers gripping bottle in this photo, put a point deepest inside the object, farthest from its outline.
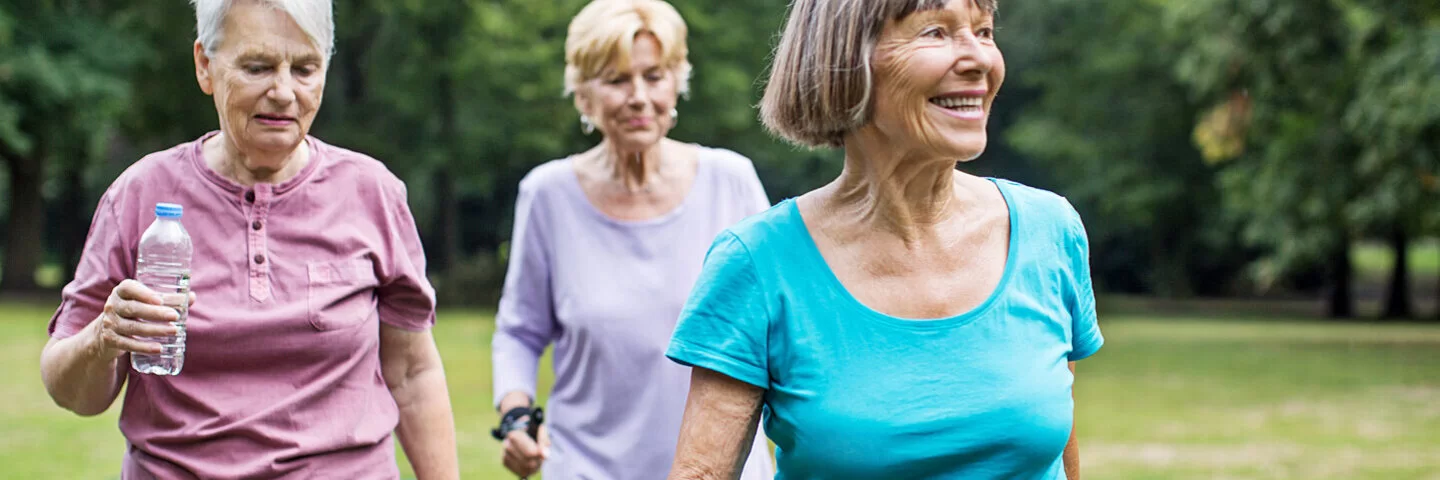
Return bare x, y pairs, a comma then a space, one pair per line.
163, 265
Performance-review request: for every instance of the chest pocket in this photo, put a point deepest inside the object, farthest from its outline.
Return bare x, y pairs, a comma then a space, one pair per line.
341, 294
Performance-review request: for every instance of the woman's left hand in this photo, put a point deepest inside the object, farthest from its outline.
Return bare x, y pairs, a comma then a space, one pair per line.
523, 455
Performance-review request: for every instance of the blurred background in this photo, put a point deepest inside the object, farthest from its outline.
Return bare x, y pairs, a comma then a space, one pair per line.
1260, 180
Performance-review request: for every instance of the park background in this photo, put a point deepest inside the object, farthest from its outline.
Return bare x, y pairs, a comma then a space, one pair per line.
1259, 178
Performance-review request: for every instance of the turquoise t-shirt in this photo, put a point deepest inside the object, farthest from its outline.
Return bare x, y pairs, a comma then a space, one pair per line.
851, 393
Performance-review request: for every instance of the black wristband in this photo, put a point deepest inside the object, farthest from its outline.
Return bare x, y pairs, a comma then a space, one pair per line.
514, 419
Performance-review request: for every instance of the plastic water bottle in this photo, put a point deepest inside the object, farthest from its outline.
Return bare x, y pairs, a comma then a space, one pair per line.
163, 264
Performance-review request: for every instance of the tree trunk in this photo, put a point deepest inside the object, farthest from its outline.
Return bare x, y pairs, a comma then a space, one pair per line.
447, 228
23, 244
1168, 254
446, 206
1341, 304
1397, 303
73, 224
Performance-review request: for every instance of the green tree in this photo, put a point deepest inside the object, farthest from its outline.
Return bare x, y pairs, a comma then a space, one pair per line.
1111, 126
63, 85
1397, 112
1322, 167
729, 79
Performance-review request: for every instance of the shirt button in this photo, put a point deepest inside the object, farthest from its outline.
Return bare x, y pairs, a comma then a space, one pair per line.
250, 196
255, 225
259, 259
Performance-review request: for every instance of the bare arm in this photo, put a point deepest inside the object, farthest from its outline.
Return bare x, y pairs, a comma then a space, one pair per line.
83, 372
79, 375
721, 417
413, 371
1072, 449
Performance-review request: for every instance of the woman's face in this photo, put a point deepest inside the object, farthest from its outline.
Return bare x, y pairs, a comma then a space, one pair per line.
267, 79
936, 75
631, 106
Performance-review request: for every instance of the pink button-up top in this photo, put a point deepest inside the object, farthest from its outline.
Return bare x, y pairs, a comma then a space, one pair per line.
282, 370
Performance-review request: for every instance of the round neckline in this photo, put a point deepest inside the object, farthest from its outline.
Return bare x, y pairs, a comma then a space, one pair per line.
197, 159
833, 282
702, 170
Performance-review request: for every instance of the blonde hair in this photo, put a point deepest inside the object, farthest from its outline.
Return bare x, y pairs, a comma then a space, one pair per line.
605, 30
821, 78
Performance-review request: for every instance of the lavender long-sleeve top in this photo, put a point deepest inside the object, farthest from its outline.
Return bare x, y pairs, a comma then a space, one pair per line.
607, 293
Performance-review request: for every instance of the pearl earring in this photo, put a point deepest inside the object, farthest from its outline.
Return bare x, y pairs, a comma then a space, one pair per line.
586, 126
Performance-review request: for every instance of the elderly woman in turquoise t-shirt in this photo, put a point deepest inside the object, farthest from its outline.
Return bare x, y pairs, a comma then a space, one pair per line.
907, 320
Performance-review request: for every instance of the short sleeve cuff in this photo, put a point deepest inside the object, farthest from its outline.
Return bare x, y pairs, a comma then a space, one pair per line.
69, 319
61, 330
692, 356
414, 320
1087, 346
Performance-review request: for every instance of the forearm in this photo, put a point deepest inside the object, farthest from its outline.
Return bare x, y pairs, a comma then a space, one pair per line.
79, 375
1072, 458
427, 428
714, 455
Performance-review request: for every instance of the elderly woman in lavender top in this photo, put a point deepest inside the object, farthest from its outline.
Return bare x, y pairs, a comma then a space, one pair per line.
607, 245
309, 342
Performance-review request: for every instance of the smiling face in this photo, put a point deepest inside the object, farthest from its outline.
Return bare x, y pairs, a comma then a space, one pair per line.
631, 104
936, 75
267, 78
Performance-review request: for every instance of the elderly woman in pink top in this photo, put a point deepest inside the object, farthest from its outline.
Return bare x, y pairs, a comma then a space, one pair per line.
309, 342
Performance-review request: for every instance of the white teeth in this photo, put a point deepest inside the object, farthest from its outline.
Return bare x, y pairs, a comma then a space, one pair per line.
957, 102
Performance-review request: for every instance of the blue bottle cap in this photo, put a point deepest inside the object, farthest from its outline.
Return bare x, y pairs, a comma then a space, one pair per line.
169, 210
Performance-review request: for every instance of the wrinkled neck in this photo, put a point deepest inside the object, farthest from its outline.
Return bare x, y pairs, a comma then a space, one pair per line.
636, 170
250, 168
905, 194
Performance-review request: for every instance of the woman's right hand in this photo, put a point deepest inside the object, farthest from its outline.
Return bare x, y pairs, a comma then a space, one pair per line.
133, 310
523, 455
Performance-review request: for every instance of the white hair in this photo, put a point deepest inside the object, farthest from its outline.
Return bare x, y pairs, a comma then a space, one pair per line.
313, 16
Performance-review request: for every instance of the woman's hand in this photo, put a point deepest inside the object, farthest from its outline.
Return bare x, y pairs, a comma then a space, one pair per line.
133, 310
523, 455
83, 372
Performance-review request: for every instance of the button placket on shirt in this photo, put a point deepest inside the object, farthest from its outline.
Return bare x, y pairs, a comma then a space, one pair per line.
259, 198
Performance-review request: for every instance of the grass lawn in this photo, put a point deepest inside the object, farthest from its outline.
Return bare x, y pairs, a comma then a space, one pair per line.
1167, 398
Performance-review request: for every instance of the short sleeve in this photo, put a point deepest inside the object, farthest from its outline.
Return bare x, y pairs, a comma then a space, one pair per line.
406, 298
106, 261
725, 323
1085, 337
